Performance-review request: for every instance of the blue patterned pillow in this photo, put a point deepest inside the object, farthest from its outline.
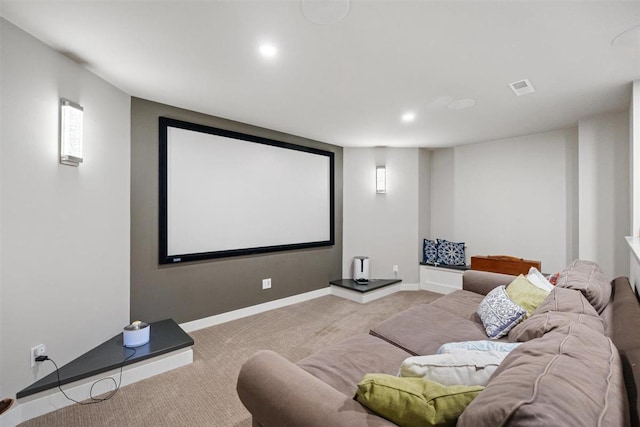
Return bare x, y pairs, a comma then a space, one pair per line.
499, 314
429, 251
450, 253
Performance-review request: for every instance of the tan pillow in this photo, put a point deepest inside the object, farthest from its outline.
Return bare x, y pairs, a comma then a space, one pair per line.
526, 294
571, 376
539, 324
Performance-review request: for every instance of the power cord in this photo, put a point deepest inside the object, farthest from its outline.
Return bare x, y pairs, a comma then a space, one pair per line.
93, 399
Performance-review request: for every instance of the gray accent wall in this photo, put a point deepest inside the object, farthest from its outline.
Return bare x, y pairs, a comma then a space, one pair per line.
196, 290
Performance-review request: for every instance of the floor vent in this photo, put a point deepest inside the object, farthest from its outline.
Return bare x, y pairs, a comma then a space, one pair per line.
522, 87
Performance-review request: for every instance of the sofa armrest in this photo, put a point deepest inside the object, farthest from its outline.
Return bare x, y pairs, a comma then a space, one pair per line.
280, 393
481, 282
624, 317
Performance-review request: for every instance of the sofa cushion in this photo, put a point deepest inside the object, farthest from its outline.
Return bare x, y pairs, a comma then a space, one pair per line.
499, 314
470, 367
589, 279
566, 300
461, 303
541, 323
422, 329
526, 294
342, 365
413, 401
569, 377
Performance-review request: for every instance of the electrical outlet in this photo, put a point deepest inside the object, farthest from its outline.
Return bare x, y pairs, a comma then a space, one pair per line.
39, 350
395, 269
266, 283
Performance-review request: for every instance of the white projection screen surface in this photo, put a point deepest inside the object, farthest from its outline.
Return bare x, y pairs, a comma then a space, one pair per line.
224, 193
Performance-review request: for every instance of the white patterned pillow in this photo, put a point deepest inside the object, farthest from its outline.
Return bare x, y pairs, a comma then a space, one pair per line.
499, 314
450, 253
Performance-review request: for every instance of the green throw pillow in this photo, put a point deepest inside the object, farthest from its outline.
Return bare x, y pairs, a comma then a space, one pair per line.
525, 294
414, 401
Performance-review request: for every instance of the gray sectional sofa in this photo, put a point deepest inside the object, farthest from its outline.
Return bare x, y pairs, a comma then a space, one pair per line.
578, 364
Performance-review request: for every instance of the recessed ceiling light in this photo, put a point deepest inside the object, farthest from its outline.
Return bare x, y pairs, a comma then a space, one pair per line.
268, 50
409, 116
324, 11
461, 104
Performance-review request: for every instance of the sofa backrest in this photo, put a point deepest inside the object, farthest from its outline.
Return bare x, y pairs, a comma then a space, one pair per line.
621, 317
588, 278
571, 376
482, 282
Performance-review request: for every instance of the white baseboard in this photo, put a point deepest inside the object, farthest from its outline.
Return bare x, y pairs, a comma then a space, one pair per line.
217, 319
361, 297
410, 287
366, 297
51, 400
438, 288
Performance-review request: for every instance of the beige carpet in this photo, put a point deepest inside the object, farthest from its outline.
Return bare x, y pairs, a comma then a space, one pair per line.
203, 393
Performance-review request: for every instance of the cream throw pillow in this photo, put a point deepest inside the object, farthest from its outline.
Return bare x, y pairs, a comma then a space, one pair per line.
478, 345
464, 367
537, 279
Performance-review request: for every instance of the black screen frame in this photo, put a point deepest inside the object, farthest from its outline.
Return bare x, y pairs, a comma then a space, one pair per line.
165, 258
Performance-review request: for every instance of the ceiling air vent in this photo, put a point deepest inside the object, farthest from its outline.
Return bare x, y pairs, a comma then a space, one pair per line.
522, 87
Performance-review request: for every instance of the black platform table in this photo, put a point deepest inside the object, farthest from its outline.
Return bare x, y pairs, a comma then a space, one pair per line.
165, 336
365, 287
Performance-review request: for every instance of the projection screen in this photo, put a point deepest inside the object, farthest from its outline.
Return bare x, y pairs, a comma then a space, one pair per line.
224, 193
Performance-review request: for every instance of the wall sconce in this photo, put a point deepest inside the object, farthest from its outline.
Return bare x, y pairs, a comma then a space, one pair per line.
381, 180
70, 133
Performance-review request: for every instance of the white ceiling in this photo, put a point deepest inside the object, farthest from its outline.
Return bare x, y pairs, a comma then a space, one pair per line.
348, 83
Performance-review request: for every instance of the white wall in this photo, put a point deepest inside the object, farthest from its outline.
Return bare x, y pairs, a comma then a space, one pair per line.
383, 227
507, 197
634, 135
424, 198
553, 196
64, 260
1, 196
442, 194
604, 191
